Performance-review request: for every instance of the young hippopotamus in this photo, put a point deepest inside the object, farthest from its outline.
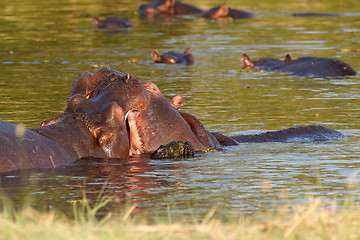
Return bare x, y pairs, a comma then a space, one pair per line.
222, 12
304, 66
90, 127
167, 8
112, 23
173, 57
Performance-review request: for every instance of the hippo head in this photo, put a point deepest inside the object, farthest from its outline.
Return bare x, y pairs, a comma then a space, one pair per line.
104, 111
267, 64
102, 101
106, 123
112, 22
159, 124
158, 7
173, 57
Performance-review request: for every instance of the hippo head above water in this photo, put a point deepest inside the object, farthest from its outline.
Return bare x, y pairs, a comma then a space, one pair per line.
303, 66
267, 64
222, 12
167, 8
103, 87
112, 22
173, 57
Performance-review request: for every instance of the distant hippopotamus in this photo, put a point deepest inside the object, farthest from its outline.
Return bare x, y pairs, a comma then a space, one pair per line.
173, 57
90, 127
112, 23
304, 66
222, 12
167, 8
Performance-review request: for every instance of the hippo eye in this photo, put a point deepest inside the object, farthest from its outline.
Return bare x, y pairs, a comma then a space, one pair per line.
112, 77
171, 60
126, 78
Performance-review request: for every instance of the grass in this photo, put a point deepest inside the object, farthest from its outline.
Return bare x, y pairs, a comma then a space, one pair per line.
314, 220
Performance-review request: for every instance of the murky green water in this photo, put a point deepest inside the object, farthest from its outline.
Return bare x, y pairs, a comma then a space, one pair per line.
45, 46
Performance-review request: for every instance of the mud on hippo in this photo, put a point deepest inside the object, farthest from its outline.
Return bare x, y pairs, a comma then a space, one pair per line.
89, 127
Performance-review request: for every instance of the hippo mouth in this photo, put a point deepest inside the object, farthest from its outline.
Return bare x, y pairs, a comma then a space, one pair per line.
136, 142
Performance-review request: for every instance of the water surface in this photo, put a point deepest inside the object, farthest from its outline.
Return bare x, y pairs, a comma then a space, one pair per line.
45, 46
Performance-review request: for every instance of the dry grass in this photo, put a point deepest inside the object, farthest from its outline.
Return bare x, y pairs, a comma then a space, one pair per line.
315, 220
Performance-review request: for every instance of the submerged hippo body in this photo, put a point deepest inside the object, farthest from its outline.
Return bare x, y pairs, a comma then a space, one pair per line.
304, 66
173, 57
112, 23
314, 14
167, 8
222, 12
310, 133
89, 127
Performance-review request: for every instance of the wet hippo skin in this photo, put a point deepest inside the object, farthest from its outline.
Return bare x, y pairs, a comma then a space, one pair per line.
173, 57
91, 127
304, 66
167, 8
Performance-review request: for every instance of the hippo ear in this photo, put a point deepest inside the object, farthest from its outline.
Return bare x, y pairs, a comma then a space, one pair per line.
109, 128
97, 21
155, 55
246, 61
187, 50
177, 101
287, 58
222, 12
152, 88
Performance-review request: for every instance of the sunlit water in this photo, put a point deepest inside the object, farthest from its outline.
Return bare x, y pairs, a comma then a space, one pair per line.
46, 46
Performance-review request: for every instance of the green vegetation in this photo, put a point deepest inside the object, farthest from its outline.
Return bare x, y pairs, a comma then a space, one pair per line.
314, 220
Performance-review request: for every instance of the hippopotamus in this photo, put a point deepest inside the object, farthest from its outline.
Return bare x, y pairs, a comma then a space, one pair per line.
167, 8
222, 12
173, 57
304, 66
112, 22
93, 127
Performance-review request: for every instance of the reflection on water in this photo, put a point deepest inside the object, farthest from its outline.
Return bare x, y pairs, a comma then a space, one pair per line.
44, 52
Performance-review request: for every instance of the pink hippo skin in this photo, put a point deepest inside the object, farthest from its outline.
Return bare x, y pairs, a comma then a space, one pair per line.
159, 124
